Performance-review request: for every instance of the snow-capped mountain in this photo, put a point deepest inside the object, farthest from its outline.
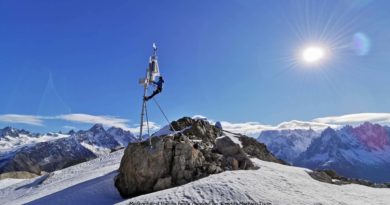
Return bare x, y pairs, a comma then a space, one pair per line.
360, 152
12, 139
287, 144
355, 152
24, 151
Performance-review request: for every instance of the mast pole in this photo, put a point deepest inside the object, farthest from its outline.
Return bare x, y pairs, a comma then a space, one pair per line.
146, 83
143, 109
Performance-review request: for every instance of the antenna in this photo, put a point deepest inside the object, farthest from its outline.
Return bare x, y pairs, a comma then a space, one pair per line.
154, 49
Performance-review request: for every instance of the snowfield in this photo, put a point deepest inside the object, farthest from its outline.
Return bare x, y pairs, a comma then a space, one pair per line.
271, 184
90, 182
93, 183
9, 143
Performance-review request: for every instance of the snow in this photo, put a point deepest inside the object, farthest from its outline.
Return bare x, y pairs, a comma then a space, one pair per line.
163, 131
301, 139
8, 182
9, 143
96, 149
271, 184
199, 117
92, 182
234, 137
166, 130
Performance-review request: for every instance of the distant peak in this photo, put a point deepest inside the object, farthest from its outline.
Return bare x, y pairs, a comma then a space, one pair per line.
97, 128
218, 125
115, 128
367, 123
329, 130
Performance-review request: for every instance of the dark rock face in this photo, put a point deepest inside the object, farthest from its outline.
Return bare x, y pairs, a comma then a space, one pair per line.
258, 150
198, 151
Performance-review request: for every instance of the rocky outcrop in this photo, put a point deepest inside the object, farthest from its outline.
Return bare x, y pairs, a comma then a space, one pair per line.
331, 177
258, 150
198, 150
18, 175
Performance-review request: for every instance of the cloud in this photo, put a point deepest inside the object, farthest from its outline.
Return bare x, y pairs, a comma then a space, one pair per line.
152, 126
94, 119
255, 128
108, 121
69, 127
247, 128
318, 124
22, 119
199, 117
352, 119
296, 124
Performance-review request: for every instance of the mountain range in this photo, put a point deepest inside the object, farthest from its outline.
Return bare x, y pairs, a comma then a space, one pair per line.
355, 152
237, 170
21, 150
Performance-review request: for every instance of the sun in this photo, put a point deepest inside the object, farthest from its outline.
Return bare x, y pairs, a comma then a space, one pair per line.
313, 54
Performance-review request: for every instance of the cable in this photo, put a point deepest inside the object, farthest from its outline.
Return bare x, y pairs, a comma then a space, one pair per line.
165, 116
147, 125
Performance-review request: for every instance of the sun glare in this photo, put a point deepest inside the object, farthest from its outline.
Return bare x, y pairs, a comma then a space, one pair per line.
313, 54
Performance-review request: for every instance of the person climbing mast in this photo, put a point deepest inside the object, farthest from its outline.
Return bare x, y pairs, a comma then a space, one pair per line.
159, 86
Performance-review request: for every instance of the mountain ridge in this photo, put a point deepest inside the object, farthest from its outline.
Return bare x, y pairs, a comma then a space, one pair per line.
361, 152
23, 151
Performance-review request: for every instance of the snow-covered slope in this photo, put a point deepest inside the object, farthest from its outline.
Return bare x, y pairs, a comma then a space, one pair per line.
271, 184
92, 182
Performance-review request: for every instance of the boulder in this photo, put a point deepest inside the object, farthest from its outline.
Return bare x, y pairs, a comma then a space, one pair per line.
163, 183
234, 157
196, 151
170, 161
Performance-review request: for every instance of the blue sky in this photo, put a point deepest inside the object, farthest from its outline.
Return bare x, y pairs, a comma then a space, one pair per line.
237, 61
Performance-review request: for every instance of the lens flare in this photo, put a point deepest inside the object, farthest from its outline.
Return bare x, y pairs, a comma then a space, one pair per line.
361, 44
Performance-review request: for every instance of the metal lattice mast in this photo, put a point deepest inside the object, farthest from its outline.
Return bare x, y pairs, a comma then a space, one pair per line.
146, 81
